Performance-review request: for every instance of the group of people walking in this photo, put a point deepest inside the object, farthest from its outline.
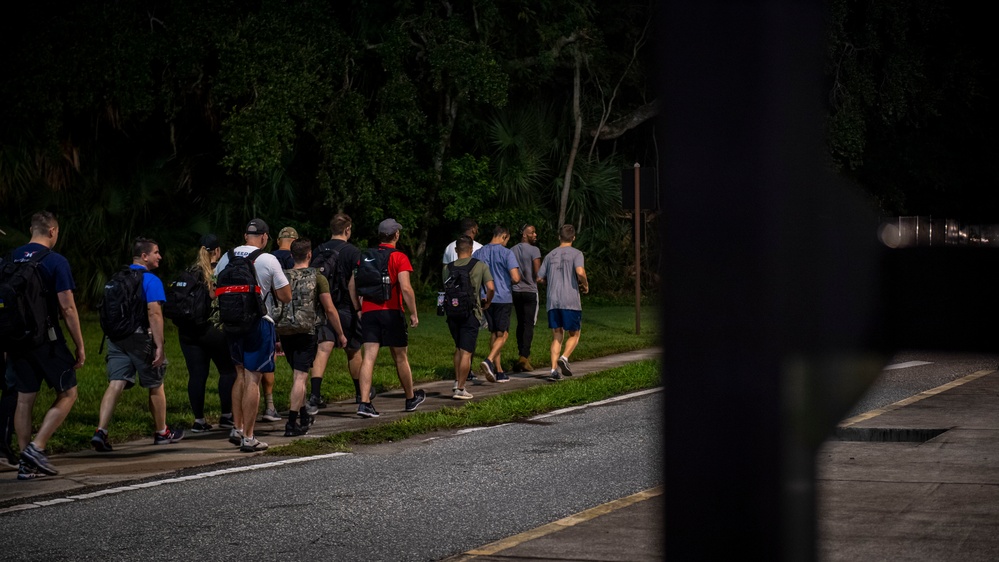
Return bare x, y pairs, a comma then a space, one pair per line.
243, 308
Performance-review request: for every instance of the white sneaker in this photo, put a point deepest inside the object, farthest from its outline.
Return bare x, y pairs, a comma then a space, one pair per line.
252, 445
236, 436
461, 394
271, 415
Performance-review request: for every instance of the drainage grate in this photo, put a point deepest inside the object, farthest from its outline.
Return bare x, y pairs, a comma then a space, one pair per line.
886, 434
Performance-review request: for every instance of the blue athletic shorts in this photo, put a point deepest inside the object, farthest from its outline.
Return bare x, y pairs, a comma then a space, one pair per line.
255, 350
568, 320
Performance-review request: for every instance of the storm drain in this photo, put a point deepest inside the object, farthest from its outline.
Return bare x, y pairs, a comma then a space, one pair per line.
886, 434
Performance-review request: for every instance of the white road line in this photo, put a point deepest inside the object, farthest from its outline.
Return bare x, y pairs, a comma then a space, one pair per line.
199, 476
600, 403
906, 365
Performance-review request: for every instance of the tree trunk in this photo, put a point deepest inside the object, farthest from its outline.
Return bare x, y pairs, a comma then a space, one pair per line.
578, 118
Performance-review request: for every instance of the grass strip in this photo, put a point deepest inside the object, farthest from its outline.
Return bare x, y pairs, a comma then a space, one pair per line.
494, 410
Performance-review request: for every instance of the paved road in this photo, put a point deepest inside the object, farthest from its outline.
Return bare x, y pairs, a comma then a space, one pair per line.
424, 499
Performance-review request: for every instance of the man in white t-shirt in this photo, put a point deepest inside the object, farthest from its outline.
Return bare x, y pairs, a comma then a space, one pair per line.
253, 353
469, 228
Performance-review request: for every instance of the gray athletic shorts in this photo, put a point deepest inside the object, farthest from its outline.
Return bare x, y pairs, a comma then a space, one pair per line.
134, 356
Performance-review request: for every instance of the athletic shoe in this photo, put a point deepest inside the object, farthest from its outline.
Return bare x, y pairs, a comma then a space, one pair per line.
199, 427
271, 415
418, 397
36, 457
502, 377
252, 445
472, 378
367, 410
26, 471
294, 430
226, 422
312, 406
100, 441
554, 376
461, 394
7, 455
236, 437
563, 364
305, 420
171, 436
490, 370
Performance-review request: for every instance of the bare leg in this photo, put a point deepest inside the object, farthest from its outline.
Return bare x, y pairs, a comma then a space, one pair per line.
496, 343
368, 368
401, 357
556, 349
53, 418
237, 398
297, 396
157, 407
251, 401
108, 403
462, 363
571, 340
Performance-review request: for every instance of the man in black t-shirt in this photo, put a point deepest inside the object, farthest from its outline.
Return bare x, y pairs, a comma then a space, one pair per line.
340, 229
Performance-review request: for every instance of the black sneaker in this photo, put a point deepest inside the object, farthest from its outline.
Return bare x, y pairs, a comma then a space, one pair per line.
367, 410
27, 472
305, 420
225, 422
100, 441
294, 430
489, 369
555, 376
563, 364
36, 457
418, 397
502, 377
371, 396
313, 405
171, 436
199, 427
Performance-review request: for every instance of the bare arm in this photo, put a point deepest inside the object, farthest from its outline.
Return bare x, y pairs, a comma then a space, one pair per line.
333, 316
490, 293
535, 268
515, 275
67, 304
283, 294
155, 312
354, 300
584, 285
408, 298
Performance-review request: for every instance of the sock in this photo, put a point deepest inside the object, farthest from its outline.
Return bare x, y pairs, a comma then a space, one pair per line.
317, 385
164, 432
199, 420
292, 417
270, 401
357, 386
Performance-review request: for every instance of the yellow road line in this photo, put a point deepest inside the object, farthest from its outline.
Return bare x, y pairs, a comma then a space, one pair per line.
913, 399
581, 517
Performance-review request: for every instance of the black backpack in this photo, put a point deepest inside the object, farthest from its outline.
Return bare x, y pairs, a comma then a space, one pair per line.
371, 278
325, 259
459, 294
240, 301
123, 307
24, 306
188, 303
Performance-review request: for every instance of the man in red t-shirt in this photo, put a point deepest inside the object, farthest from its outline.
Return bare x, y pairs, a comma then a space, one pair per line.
384, 323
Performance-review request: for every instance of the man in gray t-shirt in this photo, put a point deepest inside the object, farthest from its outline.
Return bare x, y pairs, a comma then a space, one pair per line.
525, 294
562, 271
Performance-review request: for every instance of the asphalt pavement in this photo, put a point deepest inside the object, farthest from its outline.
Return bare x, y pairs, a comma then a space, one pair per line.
596, 534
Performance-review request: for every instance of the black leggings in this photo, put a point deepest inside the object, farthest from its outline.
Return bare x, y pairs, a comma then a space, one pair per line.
199, 351
525, 305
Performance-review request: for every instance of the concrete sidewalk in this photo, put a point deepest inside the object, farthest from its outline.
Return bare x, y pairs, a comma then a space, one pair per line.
929, 491
138, 460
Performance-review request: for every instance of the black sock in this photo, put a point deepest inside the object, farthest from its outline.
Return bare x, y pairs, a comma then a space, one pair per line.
357, 386
292, 417
317, 386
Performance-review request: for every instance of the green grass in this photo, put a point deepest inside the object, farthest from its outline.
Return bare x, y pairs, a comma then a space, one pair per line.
607, 329
503, 408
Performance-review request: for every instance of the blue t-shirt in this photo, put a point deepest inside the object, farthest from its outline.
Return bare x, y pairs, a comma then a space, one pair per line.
285, 257
500, 260
152, 287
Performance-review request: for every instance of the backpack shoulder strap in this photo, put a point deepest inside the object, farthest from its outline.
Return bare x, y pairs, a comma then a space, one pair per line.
255, 254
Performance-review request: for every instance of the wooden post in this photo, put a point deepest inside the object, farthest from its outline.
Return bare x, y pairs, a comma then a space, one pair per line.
638, 250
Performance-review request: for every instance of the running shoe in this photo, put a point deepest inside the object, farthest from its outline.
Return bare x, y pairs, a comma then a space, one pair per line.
418, 397
461, 394
226, 422
171, 436
236, 437
313, 405
563, 364
502, 377
555, 376
100, 441
371, 396
36, 457
294, 430
198, 427
271, 415
489, 369
367, 410
252, 445
26, 471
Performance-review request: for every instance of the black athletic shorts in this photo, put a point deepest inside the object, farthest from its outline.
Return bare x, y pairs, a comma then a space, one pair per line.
351, 329
385, 327
51, 362
464, 331
498, 316
299, 350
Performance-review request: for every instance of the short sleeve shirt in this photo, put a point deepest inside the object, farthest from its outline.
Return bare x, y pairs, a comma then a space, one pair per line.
559, 272
450, 254
56, 275
397, 263
500, 261
152, 286
526, 254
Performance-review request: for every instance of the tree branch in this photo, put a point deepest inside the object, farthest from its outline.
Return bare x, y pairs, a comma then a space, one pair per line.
621, 126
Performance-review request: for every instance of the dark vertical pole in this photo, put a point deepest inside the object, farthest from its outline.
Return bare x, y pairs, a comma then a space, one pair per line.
638, 250
769, 277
